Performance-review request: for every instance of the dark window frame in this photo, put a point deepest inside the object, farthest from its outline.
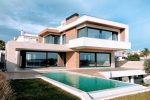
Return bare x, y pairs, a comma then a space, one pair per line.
95, 53
100, 32
64, 39
23, 54
52, 36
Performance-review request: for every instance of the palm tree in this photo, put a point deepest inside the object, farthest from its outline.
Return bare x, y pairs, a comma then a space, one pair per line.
2, 45
145, 52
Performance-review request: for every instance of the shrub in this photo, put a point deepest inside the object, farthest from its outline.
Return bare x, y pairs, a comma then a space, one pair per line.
133, 57
147, 66
6, 92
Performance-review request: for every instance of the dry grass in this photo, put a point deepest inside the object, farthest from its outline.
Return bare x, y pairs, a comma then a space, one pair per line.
6, 92
37, 89
139, 96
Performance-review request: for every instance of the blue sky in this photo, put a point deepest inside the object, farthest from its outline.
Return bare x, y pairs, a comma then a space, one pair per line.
35, 15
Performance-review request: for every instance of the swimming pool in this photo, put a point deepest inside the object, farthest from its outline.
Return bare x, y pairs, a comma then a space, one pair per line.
84, 83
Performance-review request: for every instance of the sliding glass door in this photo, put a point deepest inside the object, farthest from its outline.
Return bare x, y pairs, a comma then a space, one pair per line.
35, 59
52, 59
95, 59
103, 59
87, 59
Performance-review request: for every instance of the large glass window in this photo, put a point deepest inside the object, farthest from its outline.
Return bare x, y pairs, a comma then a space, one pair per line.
103, 59
97, 33
106, 35
64, 39
52, 59
53, 39
115, 36
42, 59
35, 59
82, 32
47, 39
87, 59
95, 59
93, 33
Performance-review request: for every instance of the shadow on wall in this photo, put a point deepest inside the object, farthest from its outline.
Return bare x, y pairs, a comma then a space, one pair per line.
130, 64
11, 67
120, 63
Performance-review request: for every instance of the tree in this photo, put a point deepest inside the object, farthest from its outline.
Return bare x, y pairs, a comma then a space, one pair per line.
145, 52
147, 66
133, 57
2, 45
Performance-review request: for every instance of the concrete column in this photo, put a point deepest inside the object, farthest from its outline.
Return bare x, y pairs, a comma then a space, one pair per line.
61, 40
128, 79
132, 79
11, 57
112, 60
72, 60
61, 59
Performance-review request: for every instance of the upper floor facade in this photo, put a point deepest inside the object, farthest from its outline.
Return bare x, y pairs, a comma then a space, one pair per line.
79, 32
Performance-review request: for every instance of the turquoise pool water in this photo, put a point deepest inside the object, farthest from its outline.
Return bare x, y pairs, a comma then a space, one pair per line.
84, 83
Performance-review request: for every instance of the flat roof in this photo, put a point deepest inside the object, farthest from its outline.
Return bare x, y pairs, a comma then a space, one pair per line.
81, 20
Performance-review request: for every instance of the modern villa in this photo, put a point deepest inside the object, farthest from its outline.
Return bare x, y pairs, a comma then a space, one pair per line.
79, 42
81, 50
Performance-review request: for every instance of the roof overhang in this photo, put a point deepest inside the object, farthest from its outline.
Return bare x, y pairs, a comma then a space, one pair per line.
48, 30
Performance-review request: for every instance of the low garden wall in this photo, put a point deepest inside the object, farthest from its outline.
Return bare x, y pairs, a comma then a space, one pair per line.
130, 64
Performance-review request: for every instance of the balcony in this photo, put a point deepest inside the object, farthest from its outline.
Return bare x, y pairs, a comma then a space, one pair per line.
85, 42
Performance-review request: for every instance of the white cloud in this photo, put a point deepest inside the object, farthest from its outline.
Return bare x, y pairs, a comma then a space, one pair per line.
22, 25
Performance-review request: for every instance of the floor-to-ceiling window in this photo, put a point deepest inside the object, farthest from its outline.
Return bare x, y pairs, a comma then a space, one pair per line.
95, 59
52, 59
64, 39
42, 59
35, 59
52, 39
87, 59
82, 32
103, 59
97, 33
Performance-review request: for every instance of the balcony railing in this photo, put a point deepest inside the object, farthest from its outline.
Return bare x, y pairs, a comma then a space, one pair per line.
85, 42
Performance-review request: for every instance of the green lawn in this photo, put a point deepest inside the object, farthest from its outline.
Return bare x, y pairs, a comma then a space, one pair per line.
139, 96
37, 89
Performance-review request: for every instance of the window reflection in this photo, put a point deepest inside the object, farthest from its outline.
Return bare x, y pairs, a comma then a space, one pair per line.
103, 59
106, 35
94, 59
52, 59
36, 59
93, 33
97, 33
87, 59
53, 39
43, 59
82, 32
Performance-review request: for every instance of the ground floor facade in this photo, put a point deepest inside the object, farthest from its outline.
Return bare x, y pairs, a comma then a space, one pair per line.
72, 59
37, 55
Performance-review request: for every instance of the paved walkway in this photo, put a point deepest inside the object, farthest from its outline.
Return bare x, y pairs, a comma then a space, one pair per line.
34, 73
22, 75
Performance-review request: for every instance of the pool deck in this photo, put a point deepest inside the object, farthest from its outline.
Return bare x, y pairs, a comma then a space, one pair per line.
33, 73
97, 95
